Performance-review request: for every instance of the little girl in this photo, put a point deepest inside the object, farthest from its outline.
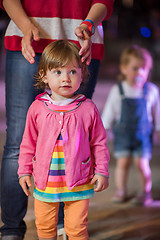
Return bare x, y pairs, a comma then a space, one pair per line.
63, 146
131, 109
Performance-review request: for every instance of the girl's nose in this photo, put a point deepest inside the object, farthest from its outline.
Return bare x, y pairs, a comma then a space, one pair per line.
66, 77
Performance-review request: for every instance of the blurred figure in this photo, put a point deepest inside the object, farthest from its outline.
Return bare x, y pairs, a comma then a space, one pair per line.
132, 111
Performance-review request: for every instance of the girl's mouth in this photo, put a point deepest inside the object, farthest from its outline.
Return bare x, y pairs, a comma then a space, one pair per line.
66, 86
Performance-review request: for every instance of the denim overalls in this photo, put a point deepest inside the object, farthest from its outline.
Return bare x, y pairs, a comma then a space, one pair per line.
133, 133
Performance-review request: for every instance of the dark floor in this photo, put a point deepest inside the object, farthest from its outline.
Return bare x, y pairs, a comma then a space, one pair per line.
108, 221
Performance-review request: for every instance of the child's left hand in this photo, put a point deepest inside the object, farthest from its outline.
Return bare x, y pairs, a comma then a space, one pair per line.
101, 182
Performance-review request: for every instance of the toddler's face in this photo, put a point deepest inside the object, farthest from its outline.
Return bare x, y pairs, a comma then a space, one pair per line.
64, 81
136, 72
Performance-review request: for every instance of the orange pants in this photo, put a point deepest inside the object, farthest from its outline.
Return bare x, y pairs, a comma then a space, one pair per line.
75, 219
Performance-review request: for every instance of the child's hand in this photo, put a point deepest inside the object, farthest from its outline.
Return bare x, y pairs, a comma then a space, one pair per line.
25, 183
101, 182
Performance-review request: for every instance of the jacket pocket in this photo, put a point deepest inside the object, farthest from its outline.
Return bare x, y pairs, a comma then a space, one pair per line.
85, 167
87, 161
34, 159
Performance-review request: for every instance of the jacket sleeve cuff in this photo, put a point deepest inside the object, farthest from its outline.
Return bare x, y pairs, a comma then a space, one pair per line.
24, 175
106, 176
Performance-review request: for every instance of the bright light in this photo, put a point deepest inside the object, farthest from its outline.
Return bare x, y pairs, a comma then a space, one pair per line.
145, 32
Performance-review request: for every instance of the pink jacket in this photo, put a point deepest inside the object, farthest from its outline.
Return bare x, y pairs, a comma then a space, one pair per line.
84, 143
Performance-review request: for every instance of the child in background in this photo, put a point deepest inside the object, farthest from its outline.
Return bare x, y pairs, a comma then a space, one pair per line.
131, 110
63, 146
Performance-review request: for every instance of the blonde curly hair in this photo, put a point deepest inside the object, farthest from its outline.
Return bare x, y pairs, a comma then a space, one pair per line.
137, 52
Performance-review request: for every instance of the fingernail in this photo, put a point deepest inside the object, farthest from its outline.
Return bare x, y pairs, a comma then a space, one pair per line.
32, 61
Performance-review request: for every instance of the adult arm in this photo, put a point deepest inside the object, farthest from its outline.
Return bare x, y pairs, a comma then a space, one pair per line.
16, 12
96, 14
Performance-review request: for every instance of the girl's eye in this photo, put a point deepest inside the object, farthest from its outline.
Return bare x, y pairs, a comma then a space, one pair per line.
58, 72
73, 71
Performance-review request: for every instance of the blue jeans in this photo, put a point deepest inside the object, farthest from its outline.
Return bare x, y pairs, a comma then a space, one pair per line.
93, 69
20, 93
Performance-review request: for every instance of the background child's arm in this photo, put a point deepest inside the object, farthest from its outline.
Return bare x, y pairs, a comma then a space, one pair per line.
25, 183
101, 182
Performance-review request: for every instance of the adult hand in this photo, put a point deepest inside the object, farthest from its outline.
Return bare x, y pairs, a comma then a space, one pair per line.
85, 42
31, 33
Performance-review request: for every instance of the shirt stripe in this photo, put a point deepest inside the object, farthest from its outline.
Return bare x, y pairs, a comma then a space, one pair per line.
57, 160
57, 167
68, 196
56, 184
56, 155
56, 172
56, 178
65, 189
56, 33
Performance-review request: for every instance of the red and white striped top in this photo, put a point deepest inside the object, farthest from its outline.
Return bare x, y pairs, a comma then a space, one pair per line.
57, 19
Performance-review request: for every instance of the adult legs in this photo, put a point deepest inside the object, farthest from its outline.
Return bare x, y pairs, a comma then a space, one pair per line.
61, 215
20, 93
93, 69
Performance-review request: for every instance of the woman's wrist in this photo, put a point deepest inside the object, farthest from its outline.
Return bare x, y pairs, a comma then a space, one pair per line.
90, 26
